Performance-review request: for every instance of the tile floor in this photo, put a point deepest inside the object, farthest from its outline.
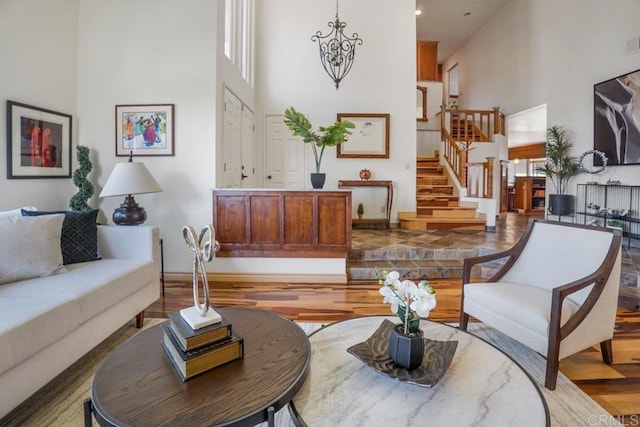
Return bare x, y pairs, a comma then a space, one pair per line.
417, 254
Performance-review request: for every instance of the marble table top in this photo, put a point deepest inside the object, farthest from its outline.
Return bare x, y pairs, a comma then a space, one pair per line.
483, 386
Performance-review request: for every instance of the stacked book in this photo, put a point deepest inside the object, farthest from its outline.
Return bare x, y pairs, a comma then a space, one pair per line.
195, 351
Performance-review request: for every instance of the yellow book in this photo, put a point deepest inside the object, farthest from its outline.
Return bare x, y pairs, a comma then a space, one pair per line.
190, 339
191, 363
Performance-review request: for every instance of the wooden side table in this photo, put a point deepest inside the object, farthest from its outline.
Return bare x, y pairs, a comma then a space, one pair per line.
138, 385
372, 183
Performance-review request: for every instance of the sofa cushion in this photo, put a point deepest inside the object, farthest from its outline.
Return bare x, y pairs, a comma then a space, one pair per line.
17, 212
79, 234
34, 248
63, 302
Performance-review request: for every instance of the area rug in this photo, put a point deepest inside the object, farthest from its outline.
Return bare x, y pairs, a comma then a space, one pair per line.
59, 403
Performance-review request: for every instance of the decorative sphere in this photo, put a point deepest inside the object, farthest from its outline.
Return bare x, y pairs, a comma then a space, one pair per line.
365, 174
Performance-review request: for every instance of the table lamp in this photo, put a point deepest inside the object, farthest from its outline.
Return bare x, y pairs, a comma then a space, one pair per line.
126, 179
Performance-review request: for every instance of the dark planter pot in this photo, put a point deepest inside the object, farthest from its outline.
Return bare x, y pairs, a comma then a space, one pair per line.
317, 180
561, 204
406, 351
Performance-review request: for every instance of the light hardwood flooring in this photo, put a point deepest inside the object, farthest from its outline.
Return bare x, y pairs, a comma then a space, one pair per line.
616, 388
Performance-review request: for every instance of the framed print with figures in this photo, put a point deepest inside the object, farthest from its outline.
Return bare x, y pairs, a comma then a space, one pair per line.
144, 130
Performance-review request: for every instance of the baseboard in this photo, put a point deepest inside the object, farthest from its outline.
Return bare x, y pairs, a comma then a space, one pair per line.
261, 277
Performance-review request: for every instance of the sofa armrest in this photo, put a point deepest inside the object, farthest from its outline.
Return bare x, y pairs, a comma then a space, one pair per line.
136, 242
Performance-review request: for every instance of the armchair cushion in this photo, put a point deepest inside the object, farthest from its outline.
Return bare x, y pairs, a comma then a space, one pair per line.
520, 311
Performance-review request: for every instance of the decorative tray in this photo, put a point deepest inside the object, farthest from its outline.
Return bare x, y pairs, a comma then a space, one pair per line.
374, 353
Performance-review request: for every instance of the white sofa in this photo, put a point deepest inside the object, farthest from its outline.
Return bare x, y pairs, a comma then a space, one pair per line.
47, 323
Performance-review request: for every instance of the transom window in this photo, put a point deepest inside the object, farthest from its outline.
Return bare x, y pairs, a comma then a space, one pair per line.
238, 36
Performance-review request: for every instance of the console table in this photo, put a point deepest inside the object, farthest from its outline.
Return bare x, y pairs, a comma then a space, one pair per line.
372, 183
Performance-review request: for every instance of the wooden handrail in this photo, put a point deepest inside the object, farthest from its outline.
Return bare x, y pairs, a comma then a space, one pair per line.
473, 125
455, 157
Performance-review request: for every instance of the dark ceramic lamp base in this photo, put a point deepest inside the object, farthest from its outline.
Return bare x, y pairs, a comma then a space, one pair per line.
129, 213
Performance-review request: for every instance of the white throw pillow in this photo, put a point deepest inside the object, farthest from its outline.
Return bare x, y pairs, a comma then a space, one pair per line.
16, 212
29, 246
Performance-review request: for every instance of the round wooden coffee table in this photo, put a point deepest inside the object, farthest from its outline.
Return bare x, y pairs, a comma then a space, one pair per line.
137, 384
483, 386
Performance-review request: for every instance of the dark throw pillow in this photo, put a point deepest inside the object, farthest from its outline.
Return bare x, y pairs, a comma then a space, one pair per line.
79, 241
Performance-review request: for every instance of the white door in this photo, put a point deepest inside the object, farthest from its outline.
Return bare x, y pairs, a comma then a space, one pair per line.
248, 169
284, 156
232, 141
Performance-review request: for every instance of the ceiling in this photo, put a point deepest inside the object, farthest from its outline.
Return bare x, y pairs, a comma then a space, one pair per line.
444, 21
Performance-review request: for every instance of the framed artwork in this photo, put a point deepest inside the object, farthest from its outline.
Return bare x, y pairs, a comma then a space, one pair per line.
145, 130
421, 104
616, 120
38, 142
370, 138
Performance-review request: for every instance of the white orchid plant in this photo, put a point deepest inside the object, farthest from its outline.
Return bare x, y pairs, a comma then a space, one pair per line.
420, 299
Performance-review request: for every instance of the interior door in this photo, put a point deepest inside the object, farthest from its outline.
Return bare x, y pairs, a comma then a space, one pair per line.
284, 155
232, 141
248, 169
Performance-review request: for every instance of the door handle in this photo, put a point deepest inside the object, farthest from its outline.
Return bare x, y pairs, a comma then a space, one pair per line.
268, 176
244, 176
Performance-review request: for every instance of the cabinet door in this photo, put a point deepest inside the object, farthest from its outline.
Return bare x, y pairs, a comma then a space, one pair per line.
521, 193
427, 60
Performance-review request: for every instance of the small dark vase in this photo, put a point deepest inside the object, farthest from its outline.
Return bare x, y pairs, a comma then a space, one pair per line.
317, 180
407, 350
560, 204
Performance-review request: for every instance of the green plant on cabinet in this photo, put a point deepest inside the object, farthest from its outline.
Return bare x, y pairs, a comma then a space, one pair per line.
360, 210
324, 137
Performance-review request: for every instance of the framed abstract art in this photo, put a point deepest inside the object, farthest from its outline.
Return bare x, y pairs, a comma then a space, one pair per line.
38, 142
616, 118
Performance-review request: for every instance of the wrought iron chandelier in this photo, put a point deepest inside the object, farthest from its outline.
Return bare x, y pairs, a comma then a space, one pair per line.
337, 50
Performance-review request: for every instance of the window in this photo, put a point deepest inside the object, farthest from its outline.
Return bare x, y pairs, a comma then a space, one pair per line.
238, 36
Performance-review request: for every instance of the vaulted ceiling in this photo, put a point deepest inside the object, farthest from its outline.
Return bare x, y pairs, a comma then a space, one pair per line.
452, 22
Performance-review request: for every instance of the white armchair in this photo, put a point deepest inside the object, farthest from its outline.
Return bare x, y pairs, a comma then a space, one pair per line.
557, 293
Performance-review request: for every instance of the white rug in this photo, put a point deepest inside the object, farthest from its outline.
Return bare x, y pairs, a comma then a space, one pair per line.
60, 402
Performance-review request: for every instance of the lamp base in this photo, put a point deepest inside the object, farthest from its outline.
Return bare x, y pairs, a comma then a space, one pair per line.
129, 213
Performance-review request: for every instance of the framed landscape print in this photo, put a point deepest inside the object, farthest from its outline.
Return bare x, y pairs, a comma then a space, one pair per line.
369, 139
145, 130
38, 142
616, 121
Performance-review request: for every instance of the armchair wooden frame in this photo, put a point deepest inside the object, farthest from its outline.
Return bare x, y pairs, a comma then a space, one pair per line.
556, 332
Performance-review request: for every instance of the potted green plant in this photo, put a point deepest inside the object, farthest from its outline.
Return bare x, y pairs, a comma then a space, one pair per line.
560, 168
79, 201
614, 223
360, 210
324, 137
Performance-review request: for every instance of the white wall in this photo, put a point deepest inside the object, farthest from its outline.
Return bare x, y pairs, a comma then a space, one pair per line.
544, 51
428, 133
153, 52
382, 80
39, 62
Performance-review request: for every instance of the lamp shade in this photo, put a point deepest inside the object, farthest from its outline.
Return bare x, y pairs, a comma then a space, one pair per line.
129, 178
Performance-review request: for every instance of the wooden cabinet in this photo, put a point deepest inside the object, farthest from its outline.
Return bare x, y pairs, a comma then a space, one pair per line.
282, 223
427, 61
530, 194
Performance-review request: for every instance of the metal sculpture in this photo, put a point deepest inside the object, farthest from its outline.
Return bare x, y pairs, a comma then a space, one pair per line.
204, 247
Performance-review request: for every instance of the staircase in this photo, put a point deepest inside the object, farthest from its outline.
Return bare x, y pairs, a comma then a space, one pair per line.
437, 208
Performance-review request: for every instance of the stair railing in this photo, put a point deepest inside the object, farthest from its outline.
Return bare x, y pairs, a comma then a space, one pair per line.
455, 157
480, 179
472, 125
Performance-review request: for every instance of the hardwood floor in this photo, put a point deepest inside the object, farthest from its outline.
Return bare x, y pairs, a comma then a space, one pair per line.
616, 388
